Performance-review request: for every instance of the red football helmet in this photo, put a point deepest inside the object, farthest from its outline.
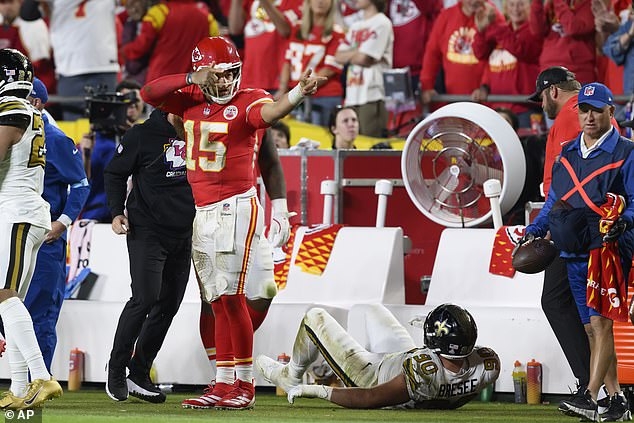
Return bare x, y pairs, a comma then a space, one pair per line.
224, 55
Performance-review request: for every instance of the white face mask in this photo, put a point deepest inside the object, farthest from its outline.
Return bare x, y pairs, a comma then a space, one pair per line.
213, 91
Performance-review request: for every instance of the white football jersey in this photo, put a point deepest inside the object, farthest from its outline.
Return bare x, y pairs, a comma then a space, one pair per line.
430, 385
22, 170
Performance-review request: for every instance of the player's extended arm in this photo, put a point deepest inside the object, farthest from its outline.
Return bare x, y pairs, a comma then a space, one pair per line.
282, 26
162, 92
272, 112
271, 170
386, 394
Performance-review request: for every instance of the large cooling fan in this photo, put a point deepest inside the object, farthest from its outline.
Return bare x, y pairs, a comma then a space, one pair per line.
448, 157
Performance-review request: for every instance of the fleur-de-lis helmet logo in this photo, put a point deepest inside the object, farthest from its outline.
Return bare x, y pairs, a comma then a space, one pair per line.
441, 328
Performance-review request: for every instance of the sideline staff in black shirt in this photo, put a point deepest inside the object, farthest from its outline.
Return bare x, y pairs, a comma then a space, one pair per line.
158, 226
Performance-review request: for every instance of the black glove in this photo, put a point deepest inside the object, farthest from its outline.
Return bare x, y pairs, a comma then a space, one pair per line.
523, 240
616, 230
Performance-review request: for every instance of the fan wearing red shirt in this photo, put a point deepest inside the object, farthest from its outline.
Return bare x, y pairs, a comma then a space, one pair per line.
450, 47
266, 25
220, 122
313, 44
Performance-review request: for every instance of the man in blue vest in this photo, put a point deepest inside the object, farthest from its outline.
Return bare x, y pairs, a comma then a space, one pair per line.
589, 215
64, 169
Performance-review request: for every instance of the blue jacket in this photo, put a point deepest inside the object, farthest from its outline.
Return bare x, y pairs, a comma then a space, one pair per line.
612, 49
64, 168
579, 223
97, 203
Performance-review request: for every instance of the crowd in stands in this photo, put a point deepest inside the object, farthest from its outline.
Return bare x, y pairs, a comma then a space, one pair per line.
475, 48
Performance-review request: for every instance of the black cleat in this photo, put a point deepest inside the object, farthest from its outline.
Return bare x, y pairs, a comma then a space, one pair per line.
116, 386
618, 411
581, 406
143, 388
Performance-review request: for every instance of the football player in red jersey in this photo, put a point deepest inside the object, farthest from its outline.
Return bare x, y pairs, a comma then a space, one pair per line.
221, 122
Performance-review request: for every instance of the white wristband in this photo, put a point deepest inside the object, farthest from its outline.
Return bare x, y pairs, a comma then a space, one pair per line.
65, 220
295, 95
326, 392
279, 205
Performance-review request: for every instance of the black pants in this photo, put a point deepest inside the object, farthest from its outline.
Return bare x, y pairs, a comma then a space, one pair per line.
562, 314
159, 267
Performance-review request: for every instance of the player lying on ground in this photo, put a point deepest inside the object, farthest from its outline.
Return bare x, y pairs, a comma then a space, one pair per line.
446, 373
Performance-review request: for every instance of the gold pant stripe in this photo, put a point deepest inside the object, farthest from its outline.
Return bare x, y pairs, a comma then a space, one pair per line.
19, 234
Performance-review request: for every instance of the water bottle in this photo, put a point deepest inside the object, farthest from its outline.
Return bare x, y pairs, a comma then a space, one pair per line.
75, 369
519, 383
284, 360
534, 385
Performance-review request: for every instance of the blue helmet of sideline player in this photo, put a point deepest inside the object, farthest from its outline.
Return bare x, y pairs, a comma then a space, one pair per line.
451, 331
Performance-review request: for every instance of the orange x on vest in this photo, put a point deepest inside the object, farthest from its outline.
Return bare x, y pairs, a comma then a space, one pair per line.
578, 186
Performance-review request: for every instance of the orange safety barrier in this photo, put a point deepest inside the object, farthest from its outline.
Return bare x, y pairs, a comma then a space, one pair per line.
624, 344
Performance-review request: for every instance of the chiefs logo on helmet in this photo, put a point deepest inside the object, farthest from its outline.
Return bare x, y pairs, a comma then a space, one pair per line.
196, 56
223, 55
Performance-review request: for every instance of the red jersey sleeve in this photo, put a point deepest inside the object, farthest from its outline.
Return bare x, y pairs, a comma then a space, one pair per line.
256, 99
482, 44
169, 93
538, 21
579, 21
522, 44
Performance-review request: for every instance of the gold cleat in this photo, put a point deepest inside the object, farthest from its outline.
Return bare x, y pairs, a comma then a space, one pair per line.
41, 390
10, 401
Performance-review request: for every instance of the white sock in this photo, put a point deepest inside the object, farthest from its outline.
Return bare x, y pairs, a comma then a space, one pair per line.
18, 328
244, 372
19, 370
224, 375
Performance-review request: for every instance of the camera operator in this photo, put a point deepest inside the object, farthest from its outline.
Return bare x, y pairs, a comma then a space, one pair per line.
100, 144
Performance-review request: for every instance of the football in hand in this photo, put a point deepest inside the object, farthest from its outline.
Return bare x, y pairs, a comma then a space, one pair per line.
534, 256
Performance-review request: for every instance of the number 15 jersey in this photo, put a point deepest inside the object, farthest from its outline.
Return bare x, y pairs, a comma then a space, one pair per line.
22, 170
221, 142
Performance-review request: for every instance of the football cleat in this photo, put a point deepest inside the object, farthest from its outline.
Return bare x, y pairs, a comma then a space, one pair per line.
212, 394
241, 397
276, 373
11, 402
41, 390
581, 406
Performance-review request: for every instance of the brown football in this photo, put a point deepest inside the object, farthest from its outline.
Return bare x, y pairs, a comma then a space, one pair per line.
534, 256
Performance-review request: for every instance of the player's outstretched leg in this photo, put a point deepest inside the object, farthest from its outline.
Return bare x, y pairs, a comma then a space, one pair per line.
276, 373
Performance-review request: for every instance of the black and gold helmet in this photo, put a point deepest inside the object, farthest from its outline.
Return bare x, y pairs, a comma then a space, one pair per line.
451, 331
16, 73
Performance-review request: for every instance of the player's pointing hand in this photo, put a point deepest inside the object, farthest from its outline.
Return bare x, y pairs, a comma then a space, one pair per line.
309, 83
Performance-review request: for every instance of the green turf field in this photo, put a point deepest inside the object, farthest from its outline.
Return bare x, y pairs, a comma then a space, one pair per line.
94, 406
